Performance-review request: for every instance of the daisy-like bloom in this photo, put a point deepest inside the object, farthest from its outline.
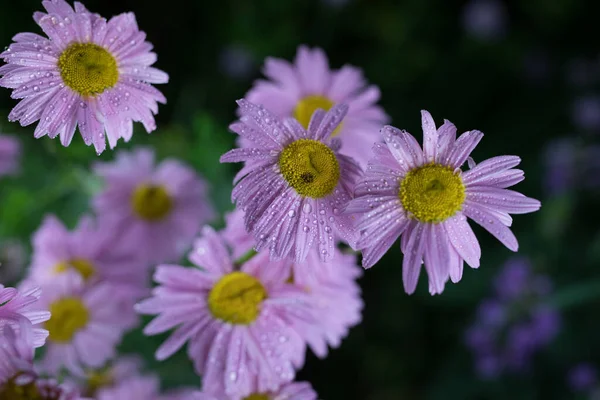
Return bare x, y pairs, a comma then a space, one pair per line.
10, 152
233, 318
17, 305
424, 195
87, 323
297, 90
90, 73
156, 209
89, 250
18, 380
334, 297
290, 391
295, 183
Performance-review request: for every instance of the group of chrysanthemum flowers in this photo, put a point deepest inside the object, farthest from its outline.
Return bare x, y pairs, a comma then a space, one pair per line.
321, 171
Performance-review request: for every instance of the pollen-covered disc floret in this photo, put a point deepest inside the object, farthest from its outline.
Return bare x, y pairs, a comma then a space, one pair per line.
236, 298
236, 320
310, 167
295, 182
88, 69
297, 89
90, 73
422, 194
432, 193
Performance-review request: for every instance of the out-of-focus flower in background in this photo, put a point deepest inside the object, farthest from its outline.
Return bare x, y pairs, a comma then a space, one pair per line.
156, 209
486, 20
237, 61
582, 377
10, 155
514, 324
585, 112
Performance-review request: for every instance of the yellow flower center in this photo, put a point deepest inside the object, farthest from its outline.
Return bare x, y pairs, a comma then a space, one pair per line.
236, 298
84, 267
432, 193
310, 167
257, 396
97, 380
88, 69
151, 202
11, 391
308, 105
69, 315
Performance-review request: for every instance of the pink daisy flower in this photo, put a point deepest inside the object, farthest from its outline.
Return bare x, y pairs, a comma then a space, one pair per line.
295, 182
88, 250
87, 323
424, 195
334, 297
90, 72
232, 317
10, 152
299, 89
17, 305
18, 380
156, 209
290, 391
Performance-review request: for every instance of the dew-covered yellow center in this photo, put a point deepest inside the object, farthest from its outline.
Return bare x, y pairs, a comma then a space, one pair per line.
257, 396
236, 298
308, 105
11, 391
432, 193
84, 267
310, 167
151, 202
69, 315
88, 69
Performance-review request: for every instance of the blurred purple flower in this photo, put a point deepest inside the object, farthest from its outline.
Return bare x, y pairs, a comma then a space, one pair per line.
559, 160
485, 19
236, 61
513, 280
514, 324
582, 377
586, 112
10, 152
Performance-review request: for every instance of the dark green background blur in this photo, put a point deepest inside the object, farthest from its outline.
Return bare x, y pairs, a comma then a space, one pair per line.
519, 89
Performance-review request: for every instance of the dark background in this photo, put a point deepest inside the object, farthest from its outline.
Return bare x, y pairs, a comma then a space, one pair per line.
525, 77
